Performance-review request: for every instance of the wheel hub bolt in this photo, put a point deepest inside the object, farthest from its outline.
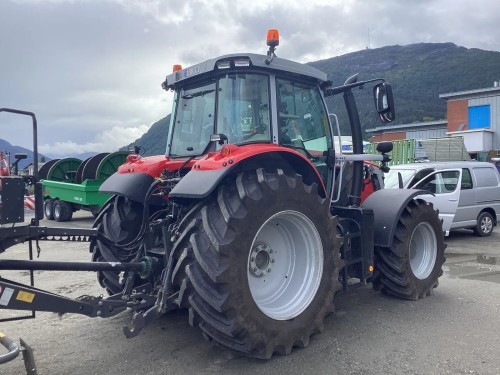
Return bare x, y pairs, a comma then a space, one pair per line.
260, 260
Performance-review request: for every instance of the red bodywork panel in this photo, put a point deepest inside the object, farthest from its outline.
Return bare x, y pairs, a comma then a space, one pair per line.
151, 165
369, 184
227, 157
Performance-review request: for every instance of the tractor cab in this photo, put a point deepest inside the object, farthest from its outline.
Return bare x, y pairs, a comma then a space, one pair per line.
238, 105
250, 100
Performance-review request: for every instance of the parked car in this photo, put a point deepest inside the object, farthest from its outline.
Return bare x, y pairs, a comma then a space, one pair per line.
466, 193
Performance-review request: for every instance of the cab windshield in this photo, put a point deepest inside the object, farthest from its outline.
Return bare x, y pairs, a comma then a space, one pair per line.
236, 105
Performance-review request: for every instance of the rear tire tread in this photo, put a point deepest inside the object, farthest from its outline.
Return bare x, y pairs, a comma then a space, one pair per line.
218, 301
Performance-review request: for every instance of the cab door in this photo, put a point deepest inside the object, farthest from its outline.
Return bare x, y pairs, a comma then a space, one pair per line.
303, 123
444, 189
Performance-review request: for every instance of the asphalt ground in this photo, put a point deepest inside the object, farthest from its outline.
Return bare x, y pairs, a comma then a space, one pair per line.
454, 331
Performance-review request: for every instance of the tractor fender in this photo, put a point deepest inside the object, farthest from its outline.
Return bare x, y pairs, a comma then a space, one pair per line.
200, 182
387, 206
131, 185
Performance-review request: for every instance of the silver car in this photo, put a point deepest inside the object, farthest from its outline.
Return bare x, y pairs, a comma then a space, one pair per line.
466, 193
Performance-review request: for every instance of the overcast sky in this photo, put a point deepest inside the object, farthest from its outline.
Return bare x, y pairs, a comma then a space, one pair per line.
91, 69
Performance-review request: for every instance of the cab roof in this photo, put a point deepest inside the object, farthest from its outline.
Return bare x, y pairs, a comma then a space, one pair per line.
255, 61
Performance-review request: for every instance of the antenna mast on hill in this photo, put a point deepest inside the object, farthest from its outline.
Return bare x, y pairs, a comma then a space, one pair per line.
368, 44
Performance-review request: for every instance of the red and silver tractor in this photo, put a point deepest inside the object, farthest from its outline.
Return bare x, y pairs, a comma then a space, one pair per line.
251, 220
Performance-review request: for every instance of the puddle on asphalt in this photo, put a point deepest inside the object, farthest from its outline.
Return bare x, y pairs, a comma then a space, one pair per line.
474, 267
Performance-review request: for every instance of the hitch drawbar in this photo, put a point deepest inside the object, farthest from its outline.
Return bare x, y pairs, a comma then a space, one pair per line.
144, 268
16, 296
37, 265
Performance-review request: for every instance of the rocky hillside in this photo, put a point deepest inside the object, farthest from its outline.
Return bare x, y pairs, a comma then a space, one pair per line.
418, 74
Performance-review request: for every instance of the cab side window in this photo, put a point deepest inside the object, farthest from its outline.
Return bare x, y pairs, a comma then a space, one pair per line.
302, 118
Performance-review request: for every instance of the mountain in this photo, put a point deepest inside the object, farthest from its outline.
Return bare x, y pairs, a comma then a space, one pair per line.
154, 141
6, 147
418, 74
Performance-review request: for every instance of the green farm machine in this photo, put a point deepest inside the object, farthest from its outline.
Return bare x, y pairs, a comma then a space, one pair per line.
251, 221
71, 184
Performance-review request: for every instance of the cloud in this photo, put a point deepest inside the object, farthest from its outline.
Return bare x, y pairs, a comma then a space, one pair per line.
106, 141
167, 11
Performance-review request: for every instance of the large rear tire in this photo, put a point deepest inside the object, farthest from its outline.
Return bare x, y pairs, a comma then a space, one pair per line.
265, 264
411, 267
117, 224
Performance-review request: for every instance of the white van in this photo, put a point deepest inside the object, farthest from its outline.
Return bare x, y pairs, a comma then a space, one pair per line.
466, 193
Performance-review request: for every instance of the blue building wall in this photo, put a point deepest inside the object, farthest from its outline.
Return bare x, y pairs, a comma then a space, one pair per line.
492, 101
479, 117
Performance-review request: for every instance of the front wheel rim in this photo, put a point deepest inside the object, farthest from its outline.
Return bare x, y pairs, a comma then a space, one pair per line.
423, 250
57, 210
48, 209
486, 224
285, 265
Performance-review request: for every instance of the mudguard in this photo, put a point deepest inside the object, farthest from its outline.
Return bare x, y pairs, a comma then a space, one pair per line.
206, 174
198, 183
387, 206
131, 185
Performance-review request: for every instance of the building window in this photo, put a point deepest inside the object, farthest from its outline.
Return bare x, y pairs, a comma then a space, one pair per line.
479, 117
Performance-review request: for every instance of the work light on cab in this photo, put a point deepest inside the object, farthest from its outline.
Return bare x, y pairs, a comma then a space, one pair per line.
273, 38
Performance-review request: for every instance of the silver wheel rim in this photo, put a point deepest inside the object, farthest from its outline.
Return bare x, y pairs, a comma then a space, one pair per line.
486, 224
423, 250
285, 265
47, 209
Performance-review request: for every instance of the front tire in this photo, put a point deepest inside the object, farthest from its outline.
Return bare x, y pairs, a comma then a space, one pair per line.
265, 264
485, 224
410, 268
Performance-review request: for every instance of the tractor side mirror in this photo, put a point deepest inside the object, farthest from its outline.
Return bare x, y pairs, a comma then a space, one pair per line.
384, 147
384, 102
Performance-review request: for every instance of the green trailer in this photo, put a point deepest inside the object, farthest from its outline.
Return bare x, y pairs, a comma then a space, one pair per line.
71, 184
